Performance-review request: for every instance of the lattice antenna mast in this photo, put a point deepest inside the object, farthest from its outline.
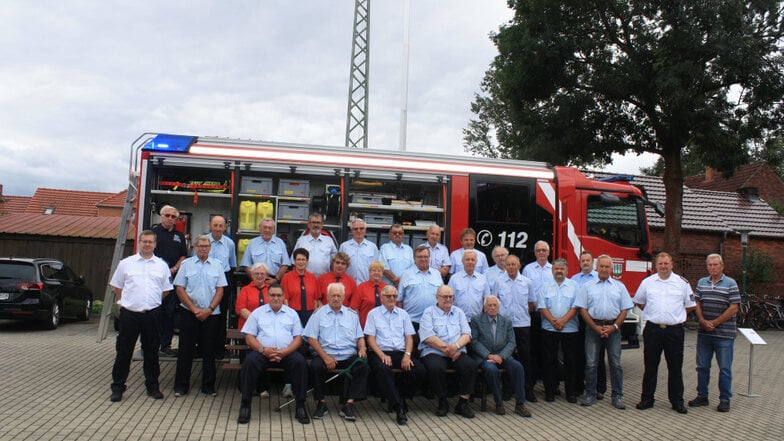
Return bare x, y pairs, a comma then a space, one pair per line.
358, 91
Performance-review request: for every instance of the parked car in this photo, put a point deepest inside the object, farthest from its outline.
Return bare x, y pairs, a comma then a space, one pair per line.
42, 289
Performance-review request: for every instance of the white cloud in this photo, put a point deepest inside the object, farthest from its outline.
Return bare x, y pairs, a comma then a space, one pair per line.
83, 79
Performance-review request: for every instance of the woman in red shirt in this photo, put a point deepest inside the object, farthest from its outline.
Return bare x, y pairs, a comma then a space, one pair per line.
368, 294
293, 283
337, 273
253, 294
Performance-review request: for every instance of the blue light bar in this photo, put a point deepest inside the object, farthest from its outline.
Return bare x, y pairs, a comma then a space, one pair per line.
169, 143
617, 178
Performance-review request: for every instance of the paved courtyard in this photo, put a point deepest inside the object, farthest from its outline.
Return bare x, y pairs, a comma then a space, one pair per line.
54, 385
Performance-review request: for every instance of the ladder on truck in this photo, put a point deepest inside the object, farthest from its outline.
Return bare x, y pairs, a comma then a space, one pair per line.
128, 216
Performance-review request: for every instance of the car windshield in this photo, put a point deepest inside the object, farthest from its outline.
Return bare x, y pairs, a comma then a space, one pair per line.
21, 270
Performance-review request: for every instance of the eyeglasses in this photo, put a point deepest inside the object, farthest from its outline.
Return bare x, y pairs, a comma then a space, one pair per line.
542, 251
358, 229
274, 295
170, 216
388, 295
446, 297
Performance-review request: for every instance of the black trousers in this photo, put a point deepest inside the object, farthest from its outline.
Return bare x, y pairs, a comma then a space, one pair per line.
386, 378
670, 341
570, 344
357, 389
226, 307
437, 365
132, 326
256, 364
523, 355
192, 331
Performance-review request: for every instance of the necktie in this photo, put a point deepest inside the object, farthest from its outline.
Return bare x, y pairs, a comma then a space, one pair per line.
303, 293
337, 279
492, 328
378, 297
261, 296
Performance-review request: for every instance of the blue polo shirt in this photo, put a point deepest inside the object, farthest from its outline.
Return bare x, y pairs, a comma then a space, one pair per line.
336, 332
447, 326
417, 291
273, 329
558, 299
604, 299
201, 280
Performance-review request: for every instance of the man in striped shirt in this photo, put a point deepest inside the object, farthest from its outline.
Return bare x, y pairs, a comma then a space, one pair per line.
717, 299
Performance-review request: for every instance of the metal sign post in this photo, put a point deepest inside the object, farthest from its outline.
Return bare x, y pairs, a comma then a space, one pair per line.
754, 339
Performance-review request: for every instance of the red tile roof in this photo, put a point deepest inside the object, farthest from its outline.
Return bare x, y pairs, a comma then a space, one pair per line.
14, 204
115, 200
66, 202
742, 177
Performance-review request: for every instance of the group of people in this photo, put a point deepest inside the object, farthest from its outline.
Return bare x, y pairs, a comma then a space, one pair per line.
368, 312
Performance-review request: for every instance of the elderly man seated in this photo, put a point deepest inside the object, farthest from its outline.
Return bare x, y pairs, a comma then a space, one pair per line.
333, 331
492, 345
274, 333
444, 334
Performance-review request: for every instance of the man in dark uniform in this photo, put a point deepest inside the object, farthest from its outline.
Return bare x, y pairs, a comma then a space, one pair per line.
172, 249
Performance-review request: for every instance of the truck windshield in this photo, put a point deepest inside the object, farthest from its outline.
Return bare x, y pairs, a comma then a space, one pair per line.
615, 220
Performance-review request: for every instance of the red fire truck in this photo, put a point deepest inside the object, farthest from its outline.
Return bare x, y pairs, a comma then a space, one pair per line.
508, 202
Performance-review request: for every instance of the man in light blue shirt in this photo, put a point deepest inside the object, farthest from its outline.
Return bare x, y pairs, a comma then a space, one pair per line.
320, 247
539, 272
273, 333
470, 287
418, 286
222, 249
360, 250
559, 330
333, 331
603, 304
396, 256
499, 255
587, 274
468, 241
390, 337
517, 297
199, 284
439, 253
443, 335
267, 249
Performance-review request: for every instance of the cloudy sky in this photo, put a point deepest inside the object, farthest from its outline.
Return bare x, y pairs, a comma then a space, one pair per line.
81, 80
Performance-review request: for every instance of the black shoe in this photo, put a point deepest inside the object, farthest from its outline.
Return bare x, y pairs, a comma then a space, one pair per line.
464, 409
724, 406
599, 396
155, 393
680, 408
443, 409
321, 410
530, 397
302, 415
116, 396
699, 401
167, 352
244, 417
401, 417
571, 398
347, 412
209, 392
549, 398
642, 405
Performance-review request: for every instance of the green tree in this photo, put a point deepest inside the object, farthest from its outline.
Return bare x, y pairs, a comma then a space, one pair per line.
576, 81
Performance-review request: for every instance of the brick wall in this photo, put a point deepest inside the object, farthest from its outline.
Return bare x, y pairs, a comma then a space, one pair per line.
695, 246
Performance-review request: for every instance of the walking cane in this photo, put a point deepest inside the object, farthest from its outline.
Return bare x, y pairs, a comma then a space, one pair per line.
346, 372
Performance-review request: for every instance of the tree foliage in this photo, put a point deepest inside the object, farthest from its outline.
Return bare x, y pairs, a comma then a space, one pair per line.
578, 80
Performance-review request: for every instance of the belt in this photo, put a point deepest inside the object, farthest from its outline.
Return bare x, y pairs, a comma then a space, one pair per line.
142, 312
663, 326
604, 322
